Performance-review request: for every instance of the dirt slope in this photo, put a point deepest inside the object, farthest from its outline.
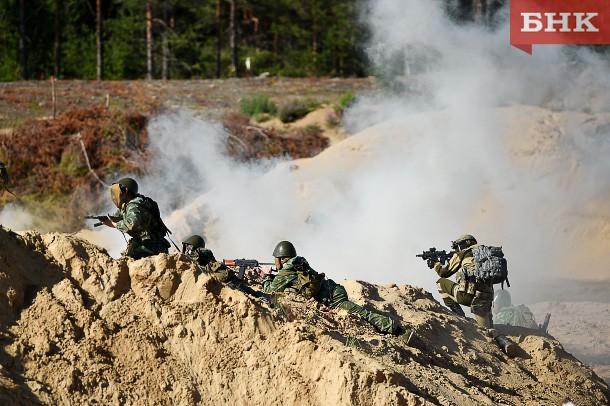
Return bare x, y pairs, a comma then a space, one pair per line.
584, 330
81, 328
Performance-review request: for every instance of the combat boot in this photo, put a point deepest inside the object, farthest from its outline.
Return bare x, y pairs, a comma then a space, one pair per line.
457, 309
508, 347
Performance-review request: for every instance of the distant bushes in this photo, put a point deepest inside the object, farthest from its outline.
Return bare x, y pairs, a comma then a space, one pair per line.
247, 142
259, 107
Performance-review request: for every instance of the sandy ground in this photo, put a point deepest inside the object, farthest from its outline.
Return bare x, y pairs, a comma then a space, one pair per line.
83, 328
583, 328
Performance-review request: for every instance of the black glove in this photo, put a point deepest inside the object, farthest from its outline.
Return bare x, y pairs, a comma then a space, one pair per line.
431, 263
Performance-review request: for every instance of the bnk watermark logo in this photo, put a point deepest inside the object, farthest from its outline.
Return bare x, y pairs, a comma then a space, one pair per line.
559, 22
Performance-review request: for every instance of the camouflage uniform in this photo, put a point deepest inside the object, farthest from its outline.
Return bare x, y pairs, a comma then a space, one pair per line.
217, 270
520, 316
466, 291
331, 294
147, 233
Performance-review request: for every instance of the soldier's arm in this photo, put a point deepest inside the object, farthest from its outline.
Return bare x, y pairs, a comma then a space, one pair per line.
204, 256
133, 220
279, 283
266, 283
445, 271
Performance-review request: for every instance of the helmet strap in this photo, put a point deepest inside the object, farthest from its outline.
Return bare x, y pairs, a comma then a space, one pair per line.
278, 263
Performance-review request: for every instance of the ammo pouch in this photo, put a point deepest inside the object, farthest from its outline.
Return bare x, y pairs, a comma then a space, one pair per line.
471, 289
481, 303
466, 284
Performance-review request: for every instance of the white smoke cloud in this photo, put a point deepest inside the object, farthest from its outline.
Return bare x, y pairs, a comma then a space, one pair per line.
15, 217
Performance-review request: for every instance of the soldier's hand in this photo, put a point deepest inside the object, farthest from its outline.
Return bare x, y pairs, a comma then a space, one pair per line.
264, 270
431, 263
108, 222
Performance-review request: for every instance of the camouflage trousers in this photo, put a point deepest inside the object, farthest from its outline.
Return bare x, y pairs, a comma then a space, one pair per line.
334, 295
479, 303
137, 248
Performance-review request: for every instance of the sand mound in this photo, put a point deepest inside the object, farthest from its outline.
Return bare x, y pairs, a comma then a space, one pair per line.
318, 117
80, 328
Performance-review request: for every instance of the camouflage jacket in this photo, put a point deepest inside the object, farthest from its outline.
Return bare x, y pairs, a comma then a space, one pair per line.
287, 278
137, 219
520, 316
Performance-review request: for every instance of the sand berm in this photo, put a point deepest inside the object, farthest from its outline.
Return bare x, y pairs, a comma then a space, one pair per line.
79, 327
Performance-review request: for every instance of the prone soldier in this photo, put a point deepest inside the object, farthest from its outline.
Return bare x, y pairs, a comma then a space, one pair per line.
296, 276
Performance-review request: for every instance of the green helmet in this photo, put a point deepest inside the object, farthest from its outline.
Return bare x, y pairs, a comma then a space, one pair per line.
129, 184
196, 241
284, 249
463, 242
501, 299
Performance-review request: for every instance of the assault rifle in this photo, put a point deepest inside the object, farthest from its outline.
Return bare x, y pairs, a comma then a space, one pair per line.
242, 264
100, 219
432, 256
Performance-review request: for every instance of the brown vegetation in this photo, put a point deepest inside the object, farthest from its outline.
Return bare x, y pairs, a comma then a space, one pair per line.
248, 141
46, 157
102, 126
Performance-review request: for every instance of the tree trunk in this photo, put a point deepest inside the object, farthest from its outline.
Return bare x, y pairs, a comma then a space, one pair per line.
477, 11
23, 51
233, 39
218, 38
165, 46
149, 41
314, 37
100, 43
57, 48
276, 45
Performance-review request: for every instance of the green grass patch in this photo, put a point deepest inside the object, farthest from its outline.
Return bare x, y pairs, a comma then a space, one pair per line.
258, 105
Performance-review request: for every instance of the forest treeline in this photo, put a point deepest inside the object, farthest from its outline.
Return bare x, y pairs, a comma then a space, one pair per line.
188, 39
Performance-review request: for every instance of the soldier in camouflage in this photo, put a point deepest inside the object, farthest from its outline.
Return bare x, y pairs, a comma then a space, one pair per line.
326, 291
137, 216
194, 248
466, 291
505, 313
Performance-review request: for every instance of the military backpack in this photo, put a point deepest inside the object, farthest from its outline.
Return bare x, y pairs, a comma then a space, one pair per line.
153, 207
309, 282
490, 265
